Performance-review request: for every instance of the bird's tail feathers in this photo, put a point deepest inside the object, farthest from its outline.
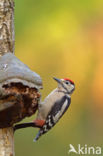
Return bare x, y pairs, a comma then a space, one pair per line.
37, 137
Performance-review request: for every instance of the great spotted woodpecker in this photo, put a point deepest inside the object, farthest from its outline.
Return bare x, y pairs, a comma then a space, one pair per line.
54, 106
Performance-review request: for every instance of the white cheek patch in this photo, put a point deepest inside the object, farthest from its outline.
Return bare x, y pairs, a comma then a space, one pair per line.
59, 114
72, 86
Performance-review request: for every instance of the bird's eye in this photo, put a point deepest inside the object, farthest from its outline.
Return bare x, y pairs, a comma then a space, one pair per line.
67, 82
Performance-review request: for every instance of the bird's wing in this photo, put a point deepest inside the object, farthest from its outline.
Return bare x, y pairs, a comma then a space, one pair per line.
59, 109
55, 114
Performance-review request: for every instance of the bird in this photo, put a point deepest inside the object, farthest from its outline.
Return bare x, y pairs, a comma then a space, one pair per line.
54, 106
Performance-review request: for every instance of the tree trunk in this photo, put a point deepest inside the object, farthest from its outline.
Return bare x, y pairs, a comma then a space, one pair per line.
6, 45
6, 26
6, 142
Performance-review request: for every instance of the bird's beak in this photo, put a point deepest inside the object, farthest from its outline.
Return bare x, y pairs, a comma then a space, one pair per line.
58, 80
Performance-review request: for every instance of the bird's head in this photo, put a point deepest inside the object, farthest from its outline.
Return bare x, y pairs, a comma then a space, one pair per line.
66, 85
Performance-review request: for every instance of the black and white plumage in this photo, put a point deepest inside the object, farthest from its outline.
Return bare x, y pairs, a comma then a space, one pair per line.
55, 105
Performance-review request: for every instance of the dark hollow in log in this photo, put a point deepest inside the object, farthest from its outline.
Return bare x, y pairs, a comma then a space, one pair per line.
18, 102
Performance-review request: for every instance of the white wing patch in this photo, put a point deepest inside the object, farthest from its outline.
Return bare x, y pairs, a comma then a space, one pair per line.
59, 114
45, 128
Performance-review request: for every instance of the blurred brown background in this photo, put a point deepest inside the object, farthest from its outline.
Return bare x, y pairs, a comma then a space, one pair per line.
63, 39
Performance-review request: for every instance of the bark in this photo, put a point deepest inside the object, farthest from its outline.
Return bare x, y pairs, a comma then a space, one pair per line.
6, 142
6, 45
6, 26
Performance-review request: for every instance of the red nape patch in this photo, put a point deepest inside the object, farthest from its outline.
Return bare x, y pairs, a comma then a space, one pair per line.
39, 122
69, 80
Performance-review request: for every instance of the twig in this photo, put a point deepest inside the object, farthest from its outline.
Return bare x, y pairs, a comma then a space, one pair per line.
25, 125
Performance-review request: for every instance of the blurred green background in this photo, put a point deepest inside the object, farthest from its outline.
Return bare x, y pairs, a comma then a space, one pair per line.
63, 38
